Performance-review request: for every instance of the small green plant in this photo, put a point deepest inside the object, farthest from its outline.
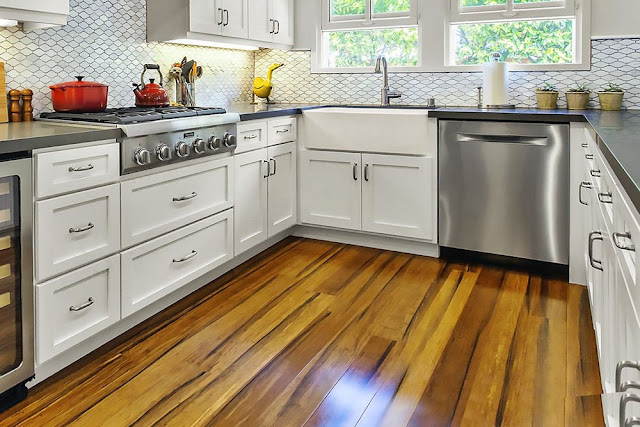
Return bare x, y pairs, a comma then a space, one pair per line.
580, 88
612, 87
548, 87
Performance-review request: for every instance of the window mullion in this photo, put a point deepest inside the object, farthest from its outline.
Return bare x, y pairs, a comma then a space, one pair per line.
368, 13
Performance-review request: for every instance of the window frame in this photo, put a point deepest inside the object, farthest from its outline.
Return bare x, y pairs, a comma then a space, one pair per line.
369, 19
511, 11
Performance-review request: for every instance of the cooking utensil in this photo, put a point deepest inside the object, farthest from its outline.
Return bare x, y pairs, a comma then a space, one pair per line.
186, 70
79, 96
4, 111
151, 94
199, 72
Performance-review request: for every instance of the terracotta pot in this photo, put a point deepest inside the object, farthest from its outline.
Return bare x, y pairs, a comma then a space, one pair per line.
547, 100
79, 96
578, 100
611, 101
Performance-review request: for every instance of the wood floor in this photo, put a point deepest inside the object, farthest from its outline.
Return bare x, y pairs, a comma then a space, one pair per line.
315, 333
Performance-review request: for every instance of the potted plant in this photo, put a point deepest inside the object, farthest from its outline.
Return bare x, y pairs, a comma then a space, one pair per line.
578, 97
611, 98
547, 97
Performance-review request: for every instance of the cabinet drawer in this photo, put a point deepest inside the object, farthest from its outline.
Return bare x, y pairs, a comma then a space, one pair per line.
76, 229
281, 131
171, 261
77, 305
76, 169
251, 136
155, 204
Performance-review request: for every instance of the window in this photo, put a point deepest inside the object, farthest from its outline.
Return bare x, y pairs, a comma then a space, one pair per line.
526, 32
355, 32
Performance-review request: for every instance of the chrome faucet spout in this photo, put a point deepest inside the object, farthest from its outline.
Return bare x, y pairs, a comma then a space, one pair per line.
386, 94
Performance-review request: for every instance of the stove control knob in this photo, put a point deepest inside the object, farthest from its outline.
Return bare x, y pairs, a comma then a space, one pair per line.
183, 149
215, 143
230, 140
199, 146
142, 156
163, 152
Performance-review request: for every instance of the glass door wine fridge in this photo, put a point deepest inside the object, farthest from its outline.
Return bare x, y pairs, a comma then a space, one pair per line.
16, 280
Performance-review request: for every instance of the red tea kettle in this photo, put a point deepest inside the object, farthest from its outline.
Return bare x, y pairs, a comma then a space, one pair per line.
151, 94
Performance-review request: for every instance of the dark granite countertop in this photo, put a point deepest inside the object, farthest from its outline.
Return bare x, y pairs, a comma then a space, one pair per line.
266, 111
28, 136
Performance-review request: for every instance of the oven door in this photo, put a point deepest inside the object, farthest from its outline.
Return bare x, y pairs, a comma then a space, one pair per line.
16, 278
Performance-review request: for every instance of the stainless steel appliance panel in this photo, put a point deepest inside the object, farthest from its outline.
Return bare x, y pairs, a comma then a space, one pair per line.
504, 189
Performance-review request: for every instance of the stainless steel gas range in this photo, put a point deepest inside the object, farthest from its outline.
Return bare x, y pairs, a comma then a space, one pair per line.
155, 137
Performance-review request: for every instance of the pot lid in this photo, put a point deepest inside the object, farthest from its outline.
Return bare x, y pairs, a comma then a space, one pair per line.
80, 83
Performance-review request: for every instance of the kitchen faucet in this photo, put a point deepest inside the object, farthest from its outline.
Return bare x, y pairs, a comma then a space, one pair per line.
387, 94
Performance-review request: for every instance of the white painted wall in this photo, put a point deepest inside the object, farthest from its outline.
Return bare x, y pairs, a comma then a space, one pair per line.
615, 18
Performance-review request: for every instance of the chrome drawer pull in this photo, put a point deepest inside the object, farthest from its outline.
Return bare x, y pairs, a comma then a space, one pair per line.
624, 400
187, 258
275, 166
251, 137
595, 173
586, 185
620, 367
584, 145
82, 306
81, 168
366, 173
593, 236
268, 169
82, 229
588, 156
355, 171
619, 245
282, 131
606, 198
187, 197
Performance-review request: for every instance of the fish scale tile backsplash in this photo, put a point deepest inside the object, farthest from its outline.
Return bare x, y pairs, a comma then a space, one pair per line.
105, 40
613, 60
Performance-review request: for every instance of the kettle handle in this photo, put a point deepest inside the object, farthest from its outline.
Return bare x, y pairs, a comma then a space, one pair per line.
151, 67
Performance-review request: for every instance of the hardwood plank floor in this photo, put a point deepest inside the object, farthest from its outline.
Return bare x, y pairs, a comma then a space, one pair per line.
324, 334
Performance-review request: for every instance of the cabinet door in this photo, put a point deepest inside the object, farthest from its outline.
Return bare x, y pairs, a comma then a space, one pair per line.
205, 16
330, 187
282, 206
282, 13
251, 223
397, 195
260, 21
235, 18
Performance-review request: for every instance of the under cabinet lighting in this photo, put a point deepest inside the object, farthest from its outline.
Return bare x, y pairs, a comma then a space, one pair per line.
213, 44
8, 23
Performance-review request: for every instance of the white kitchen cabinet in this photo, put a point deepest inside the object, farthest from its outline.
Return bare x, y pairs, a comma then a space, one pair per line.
251, 217
271, 21
219, 17
282, 188
76, 306
397, 195
35, 14
251, 136
156, 268
76, 229
283, 130
330, 189
266, 194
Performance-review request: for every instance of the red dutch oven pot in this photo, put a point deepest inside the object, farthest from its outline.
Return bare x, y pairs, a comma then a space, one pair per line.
79, 96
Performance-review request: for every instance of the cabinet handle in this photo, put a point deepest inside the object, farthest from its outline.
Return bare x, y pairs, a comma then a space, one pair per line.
620, 367
355, 171
81, 307
268, 168
251, 137
82, 229
221, 15
622, 246
282, 131
273, 26
187, 197
624, 400
186, 258
274, 166
595, 173
584, 145
278, 30
586, 185
593, 236
81, 168
366, 173
606, 198
588, 156
226, 14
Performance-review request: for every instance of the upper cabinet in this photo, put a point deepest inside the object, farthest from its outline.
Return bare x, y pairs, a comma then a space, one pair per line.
271, 21
225, 23
35, 13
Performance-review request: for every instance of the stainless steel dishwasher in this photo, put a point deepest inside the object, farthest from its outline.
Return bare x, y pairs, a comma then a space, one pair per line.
504, 189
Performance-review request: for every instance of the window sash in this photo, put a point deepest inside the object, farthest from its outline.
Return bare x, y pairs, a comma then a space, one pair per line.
558, 9
369, 19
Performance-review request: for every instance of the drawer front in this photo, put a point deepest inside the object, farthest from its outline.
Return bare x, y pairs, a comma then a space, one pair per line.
281, 131
156, 268
76, 229
251, 136
156, 204
75, 306
76, 169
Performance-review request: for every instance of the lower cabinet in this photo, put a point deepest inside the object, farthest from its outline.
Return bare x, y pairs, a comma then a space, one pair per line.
266, 194
76, 306
383, 194
158, 267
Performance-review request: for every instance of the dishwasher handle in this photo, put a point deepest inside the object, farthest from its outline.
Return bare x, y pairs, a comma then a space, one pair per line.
503, 139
